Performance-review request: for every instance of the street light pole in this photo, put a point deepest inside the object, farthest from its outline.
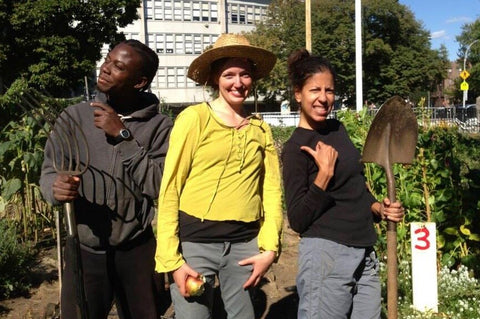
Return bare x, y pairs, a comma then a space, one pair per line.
358, 55
308, 26
464, 68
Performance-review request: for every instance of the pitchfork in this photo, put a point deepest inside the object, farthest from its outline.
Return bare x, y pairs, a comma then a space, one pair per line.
69, 143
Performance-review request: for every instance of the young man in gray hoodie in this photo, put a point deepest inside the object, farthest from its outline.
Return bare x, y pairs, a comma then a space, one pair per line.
127, 139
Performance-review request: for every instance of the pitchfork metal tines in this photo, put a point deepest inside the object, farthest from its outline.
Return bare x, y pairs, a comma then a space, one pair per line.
70, 156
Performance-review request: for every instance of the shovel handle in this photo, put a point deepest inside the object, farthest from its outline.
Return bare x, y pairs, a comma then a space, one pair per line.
392, 265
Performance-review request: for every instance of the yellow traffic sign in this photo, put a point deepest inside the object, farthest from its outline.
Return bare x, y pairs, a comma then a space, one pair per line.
464, 74
464, 86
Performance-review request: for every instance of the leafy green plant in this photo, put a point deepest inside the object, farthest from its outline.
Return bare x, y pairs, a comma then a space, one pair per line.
452, 161
21, 151
16, 261
282, 133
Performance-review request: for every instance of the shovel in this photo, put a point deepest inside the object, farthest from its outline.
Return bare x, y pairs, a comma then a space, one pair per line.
392, 138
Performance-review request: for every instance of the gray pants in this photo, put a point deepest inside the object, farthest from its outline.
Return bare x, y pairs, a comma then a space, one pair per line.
221, 259
335, 281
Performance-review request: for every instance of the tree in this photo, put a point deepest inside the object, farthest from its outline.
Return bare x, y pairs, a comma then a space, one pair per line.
397, 55
397, 58
53, 44
280, 33
470, 33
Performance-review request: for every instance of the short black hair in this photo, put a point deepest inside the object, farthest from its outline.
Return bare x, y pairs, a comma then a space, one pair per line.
149, 60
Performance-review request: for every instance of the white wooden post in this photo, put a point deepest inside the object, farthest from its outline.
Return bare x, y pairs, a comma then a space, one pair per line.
424, 266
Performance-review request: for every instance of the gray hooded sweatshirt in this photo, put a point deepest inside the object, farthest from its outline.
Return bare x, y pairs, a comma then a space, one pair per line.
115, 206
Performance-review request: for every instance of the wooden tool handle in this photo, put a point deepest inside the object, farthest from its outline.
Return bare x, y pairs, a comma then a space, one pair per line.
392, 265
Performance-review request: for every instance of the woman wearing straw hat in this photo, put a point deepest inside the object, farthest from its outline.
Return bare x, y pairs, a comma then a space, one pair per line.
220, 199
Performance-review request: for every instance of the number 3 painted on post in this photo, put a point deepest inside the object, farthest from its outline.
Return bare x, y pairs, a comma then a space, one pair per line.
424, 266
423, 238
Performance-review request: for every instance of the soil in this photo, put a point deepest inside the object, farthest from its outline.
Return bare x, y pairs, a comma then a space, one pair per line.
276, 297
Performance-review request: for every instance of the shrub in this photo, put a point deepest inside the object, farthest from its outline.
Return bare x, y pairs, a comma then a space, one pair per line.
16, 262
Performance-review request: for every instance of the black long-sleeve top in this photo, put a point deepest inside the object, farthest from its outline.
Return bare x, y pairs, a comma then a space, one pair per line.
342, 213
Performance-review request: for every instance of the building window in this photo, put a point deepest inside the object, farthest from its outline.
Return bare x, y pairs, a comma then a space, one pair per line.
197, 44
191, 83
149, 10
250, 15
159, 43
181, 78
214, 12
177, 11
205, 12
239, 13
187, 11
171, 77
196, 11
168, 11
161, 78
188, 44
179, 44
169, 43
182, 10
149, 13
208, 40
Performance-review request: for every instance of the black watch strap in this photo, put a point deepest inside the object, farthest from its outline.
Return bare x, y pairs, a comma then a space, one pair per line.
123, 135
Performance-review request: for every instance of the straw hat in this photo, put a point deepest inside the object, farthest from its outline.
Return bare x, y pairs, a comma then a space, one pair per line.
231, 46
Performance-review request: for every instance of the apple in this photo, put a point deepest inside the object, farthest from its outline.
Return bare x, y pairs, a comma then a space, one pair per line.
195, 286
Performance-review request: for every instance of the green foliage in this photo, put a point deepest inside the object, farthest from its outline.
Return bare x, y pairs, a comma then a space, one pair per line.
21, 151
54, 44
395, 39
16, 261
452, 161
470, 33
22, 142
281, 33
442, 185
397, 56
281, 134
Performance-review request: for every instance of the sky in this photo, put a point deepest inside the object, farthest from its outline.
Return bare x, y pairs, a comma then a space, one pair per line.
444, 20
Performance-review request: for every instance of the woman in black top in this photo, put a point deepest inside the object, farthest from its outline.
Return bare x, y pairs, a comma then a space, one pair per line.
329, 204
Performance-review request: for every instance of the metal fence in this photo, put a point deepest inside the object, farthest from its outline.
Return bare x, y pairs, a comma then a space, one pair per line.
465, 120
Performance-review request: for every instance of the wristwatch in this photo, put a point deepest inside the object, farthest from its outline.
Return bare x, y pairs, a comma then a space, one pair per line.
123, 135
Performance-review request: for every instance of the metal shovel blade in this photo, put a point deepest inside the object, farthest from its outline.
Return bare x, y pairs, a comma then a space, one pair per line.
400, 147
392, 138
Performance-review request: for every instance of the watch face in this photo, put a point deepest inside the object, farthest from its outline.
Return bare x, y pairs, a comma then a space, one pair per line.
125, 133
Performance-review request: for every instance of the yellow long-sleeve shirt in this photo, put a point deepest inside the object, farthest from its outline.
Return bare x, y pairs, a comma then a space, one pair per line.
219, 173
